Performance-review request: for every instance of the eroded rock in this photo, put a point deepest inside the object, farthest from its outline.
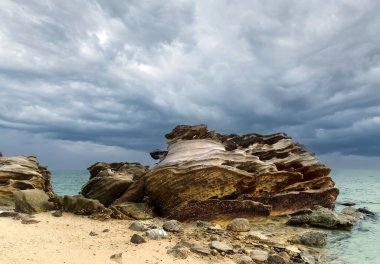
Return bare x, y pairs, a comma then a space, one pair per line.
206, 175
32, 201
22, 173
239, 225
325, 218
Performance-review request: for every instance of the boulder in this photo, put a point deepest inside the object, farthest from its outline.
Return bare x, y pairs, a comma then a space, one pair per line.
325, 218
127, 210
206, 175
109, 181
313, 239
32, 201
22, 173
239, 225
83, 206
352, 211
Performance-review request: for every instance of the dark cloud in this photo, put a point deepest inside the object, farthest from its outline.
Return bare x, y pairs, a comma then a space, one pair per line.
112, 73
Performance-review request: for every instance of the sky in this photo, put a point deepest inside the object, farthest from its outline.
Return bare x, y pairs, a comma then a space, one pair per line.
103, 80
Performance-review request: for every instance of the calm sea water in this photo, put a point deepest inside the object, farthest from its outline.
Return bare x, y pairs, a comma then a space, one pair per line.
69, 182
361, 245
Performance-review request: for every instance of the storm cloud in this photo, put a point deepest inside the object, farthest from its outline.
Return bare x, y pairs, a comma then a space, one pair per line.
109, 78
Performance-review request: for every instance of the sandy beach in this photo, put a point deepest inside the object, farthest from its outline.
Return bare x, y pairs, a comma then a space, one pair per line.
67, 239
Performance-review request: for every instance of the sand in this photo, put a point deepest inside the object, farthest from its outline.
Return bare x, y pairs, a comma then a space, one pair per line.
66, 239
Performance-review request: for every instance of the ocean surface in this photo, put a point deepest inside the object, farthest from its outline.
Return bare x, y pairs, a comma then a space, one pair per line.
360, 246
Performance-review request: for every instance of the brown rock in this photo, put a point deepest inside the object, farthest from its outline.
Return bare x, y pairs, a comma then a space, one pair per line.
205, 173
239, 225
22, 173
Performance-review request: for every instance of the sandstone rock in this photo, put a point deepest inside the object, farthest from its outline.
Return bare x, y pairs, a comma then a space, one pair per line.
22, 173
106, 189
32, 201
137, 226
221, 247
313, 239
139, 211
137, 239
83, 206
109, 181
276, 259
180, 253
245, 260
259, 256
239, 225
172, 226
156, 234
352, 212
207, 175
325, 218
200, 250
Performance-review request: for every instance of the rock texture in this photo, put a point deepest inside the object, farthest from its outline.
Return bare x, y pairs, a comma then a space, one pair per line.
108, 181
325, 218
207, 175
22, 173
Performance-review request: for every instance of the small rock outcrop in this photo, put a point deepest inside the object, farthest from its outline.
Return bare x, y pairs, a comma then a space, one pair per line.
108, 181
22, 173
32, 201
325, 218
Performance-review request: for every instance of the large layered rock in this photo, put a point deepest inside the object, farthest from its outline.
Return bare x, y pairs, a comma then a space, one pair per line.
208, 175
22, 173
108, 181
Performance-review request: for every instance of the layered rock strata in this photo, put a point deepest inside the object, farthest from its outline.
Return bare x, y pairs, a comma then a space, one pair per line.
22, 173
207, 175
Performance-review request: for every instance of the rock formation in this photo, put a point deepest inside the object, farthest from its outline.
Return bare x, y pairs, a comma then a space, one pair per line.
22, 173
206, 175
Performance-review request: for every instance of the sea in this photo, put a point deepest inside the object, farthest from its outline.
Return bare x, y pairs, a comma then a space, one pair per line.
359, 246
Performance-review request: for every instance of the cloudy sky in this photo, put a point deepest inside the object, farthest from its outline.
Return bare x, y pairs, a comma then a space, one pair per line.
83, 81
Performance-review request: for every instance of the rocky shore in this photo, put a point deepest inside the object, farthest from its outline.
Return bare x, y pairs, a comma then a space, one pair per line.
212, 198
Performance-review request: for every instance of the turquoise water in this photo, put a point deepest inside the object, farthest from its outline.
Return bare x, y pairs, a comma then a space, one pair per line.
361, 245
69, 182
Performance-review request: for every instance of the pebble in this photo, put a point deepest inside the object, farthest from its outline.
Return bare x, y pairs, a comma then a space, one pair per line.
259, 255
137, 226
137, 239
221, 246
156, 233
172, 226
57, 213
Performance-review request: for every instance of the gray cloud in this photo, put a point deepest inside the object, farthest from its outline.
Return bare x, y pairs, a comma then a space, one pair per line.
121, 74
